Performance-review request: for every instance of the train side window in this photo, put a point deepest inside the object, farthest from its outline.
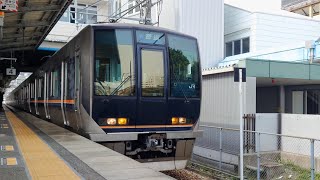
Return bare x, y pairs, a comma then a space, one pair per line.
40, 87
31, 91
51, 83
56, 79
71, 78
114, 63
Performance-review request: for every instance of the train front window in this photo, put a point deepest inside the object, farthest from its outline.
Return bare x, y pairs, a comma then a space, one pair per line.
184, 67
114, 63
152, 73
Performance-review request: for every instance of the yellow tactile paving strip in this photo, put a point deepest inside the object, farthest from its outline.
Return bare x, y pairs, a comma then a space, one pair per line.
41, 161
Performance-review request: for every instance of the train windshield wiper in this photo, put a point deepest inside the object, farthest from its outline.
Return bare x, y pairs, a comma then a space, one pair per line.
105, 91
158, 39
120, 85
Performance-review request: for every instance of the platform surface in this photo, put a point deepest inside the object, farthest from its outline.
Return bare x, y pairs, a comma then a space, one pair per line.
33, 148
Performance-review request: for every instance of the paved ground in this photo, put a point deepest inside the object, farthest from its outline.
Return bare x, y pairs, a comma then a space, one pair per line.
89, 160
11, 162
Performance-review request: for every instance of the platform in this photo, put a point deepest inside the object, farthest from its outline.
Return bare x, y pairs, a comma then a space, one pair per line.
32, 148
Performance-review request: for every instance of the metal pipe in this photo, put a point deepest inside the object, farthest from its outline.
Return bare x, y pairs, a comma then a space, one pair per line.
232, 129
312, 158
241, 124
258, 156
220, 148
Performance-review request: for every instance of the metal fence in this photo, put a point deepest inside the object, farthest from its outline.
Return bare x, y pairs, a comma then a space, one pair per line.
266, 155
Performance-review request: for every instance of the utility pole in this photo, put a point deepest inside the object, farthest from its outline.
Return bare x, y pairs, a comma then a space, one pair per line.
240, 76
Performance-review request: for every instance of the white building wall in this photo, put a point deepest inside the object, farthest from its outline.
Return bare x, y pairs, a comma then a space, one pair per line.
274, 29
238, 23
220, 100
64, 31
204, 20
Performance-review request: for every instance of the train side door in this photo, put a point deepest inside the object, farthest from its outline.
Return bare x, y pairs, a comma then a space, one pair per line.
77, 81
64, 85
152, 109
46, 94
77, 85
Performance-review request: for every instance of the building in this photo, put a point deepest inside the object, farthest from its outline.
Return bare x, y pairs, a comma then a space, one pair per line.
303, 7
250, 31
282, 88
76, 17
255, 35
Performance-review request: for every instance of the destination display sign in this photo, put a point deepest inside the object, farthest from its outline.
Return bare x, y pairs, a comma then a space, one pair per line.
150, 37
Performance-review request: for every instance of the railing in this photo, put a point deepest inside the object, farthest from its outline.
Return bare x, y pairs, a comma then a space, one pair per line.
266, 155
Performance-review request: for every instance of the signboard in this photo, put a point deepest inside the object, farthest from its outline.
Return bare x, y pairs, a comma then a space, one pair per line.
236, 74
9, 5
11, 72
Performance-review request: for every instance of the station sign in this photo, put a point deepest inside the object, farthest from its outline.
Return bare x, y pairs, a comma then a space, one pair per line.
11, 71
9, 5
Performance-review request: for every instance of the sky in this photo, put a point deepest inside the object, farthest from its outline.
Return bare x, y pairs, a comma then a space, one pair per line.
257, 4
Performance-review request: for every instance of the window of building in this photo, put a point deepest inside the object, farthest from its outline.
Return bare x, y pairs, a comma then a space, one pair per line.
228, 49
86, 14
132, 10
237, 47
306, 102
245, 45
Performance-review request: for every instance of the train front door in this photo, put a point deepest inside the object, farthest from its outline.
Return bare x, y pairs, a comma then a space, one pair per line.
152, 94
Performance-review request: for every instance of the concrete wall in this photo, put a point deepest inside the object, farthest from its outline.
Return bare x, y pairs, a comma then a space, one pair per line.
220, 100
300, 125
269, 123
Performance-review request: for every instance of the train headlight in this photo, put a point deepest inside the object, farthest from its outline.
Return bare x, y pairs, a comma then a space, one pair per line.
182, 120
122, 121
174, 120
111, 121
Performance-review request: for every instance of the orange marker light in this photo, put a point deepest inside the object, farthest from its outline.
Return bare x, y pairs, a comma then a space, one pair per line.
122, 121
1, 14
174, 120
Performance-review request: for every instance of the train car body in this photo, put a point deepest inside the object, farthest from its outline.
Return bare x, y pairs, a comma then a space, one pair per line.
134, 88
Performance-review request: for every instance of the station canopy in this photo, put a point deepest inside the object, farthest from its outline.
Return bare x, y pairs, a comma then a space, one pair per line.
27, 27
